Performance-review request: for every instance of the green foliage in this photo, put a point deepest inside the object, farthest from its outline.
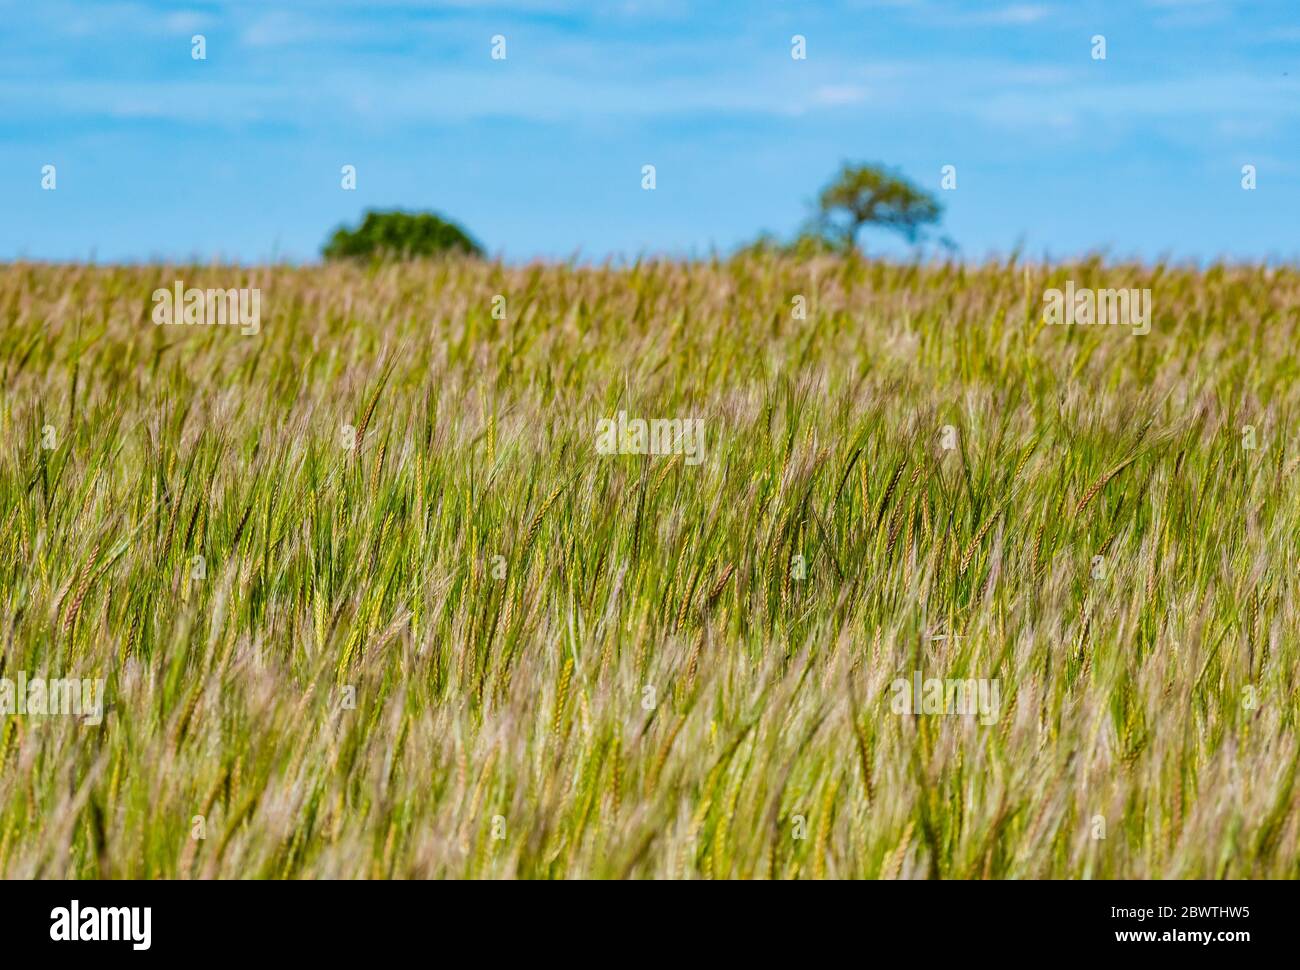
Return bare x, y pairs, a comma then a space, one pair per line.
858, 197
400, 235
870, 195
803, 246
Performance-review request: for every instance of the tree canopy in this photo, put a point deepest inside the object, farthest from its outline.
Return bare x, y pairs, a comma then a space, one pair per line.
400, 235
871, 195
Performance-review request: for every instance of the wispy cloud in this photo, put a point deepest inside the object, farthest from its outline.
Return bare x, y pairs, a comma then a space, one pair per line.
837, 94
1019, 13
187, 21
1011, 15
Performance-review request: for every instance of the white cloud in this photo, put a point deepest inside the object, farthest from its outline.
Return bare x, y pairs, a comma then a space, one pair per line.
1012, 15
838, 94
277, 29
1020, 13
186, 22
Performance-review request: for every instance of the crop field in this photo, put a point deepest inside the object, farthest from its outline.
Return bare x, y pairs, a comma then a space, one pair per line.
939, 590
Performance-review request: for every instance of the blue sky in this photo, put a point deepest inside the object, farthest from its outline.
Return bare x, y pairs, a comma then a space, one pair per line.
238, 157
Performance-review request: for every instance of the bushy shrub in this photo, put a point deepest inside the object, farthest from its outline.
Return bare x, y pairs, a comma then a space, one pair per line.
805, 245
400, 235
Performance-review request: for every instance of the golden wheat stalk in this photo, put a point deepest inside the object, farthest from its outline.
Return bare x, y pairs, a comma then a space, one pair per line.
536, 524
894, 861
719, 586
969, 554
74, 607
1101, 483
562, 695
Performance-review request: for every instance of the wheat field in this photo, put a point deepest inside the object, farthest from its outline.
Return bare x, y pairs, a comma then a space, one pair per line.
367, 602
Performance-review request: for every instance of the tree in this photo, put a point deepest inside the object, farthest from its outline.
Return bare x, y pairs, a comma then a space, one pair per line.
803, 246
862, 195
400, 235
